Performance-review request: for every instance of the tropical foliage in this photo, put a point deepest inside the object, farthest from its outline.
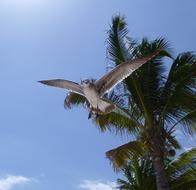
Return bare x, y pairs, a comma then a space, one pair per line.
140, 175
152, 103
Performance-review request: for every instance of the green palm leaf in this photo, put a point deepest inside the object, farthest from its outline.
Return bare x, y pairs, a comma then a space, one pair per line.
139, 174
178, 98
122, 154
188, 122
182, 170
73, 99
118, 50
117, 123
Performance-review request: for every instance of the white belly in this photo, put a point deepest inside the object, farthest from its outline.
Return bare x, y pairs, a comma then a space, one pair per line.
92, 96
95, 101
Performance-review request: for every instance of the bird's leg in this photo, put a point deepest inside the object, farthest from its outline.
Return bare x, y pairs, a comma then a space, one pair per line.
89, 115
96, 115
90, 112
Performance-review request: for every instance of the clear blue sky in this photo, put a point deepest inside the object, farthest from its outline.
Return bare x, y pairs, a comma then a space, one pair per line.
54, 148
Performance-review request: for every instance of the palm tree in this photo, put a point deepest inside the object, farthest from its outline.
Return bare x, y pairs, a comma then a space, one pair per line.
139, 173
152, 102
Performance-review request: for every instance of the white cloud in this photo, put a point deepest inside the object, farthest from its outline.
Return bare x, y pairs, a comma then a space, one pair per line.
10, 181
97, 185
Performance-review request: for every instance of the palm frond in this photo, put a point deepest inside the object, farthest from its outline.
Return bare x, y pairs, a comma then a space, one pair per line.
117, 122
184, 182
186, 159
119, 45
124, 185
187, 185
146, 83
188, 123
139, 174
182, 170
178, 97
122, 154
125, 104
73, 99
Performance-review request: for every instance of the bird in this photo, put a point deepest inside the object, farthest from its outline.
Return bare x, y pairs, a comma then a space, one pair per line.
94, 90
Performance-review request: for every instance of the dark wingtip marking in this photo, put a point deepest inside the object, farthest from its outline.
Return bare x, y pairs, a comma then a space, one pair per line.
43, 81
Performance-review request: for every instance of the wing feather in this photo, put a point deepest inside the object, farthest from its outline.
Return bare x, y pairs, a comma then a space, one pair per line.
66, 84
119, 73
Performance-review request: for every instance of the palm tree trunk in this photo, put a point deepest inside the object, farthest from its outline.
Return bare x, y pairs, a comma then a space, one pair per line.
159, 166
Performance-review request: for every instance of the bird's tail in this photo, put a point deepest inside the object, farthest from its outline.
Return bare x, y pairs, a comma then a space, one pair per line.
103, 107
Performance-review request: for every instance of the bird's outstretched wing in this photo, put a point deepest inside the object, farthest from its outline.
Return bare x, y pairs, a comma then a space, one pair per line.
61, 83
119, 73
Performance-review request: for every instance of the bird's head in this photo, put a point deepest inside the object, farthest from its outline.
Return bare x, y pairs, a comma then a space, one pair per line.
87, 81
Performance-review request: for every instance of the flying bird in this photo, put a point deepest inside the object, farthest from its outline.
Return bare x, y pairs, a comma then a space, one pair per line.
94, 90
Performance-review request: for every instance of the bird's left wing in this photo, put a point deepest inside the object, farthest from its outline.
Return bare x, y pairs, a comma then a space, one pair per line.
61, 83
119, 73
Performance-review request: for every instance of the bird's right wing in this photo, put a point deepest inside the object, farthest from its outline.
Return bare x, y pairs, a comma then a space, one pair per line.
61, 83
119, 73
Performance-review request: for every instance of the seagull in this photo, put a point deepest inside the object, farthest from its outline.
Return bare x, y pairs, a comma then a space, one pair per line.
94, 90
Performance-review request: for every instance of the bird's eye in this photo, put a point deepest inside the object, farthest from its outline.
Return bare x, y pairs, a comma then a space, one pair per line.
85, 81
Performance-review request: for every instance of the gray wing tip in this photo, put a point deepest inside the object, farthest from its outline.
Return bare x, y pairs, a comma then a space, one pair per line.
47, 82
43, 81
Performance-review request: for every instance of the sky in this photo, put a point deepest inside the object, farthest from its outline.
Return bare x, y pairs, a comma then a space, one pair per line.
42, 145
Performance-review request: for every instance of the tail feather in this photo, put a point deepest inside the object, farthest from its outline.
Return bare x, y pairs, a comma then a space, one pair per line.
103, 107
